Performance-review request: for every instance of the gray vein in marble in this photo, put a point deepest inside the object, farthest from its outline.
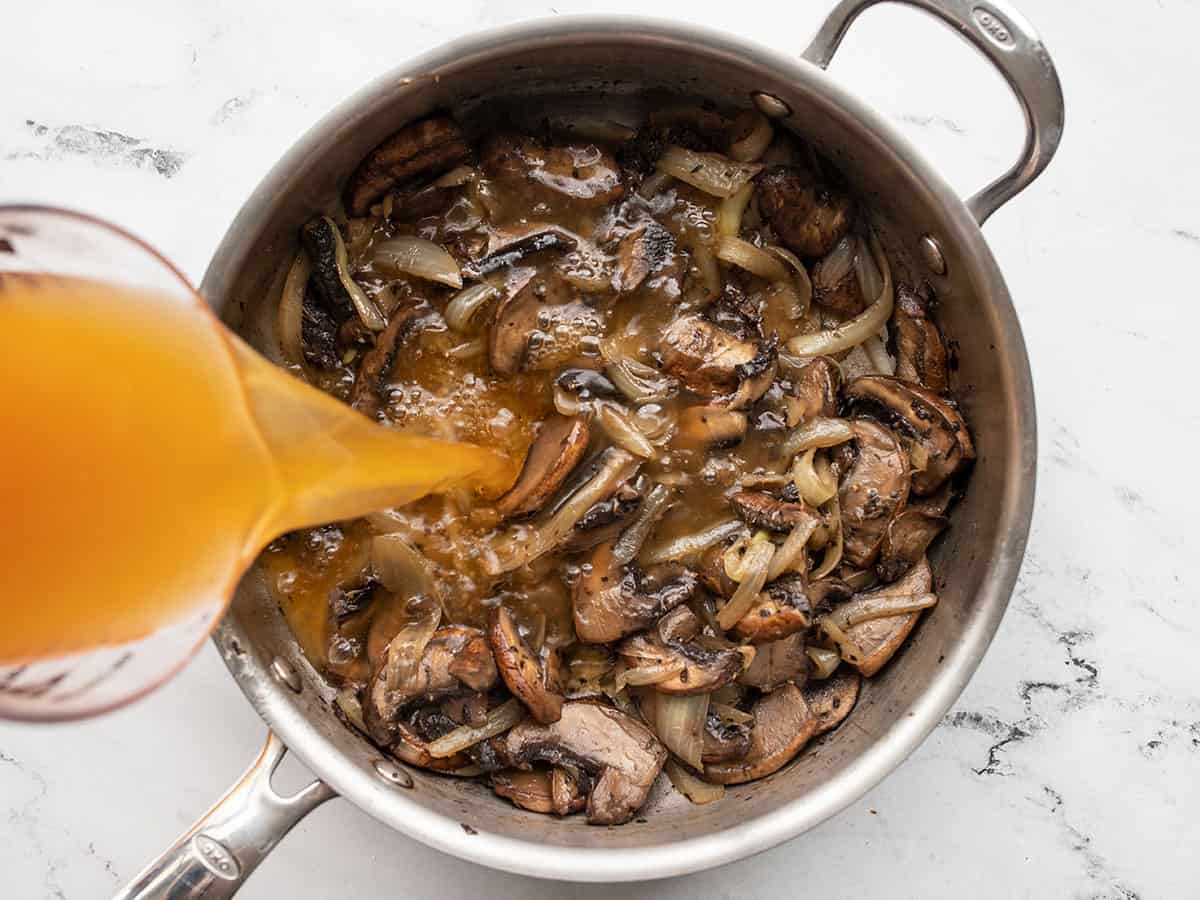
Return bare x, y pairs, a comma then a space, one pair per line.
1186, 234
99, 144
932, 122
1095, 866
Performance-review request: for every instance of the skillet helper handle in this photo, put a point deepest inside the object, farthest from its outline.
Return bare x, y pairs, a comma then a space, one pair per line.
220, 851
1002, 35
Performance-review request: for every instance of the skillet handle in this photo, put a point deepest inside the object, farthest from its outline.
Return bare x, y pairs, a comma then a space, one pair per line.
220, 851
1002, 35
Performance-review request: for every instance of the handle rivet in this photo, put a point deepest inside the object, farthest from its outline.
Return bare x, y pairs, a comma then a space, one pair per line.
770, 105
285, 673
931, 253
393, 774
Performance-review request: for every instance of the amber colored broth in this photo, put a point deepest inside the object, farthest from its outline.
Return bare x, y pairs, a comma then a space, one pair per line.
148, 455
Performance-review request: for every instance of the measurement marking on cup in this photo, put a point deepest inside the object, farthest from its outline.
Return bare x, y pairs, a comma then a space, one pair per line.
993, 26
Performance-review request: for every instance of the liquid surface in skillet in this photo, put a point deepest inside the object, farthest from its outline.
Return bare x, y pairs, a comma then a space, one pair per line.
736, 446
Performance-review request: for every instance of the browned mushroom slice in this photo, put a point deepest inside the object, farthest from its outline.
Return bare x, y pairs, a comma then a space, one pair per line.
573, 175
782, 609
905, 542
456, 659
704, 669
679, 625
759, 509
408, 746
711, 569
620, 753
814, 391
879, 639
645, 250
558, 448
724, 741
777, 663
524, 673
808, 215
506, 247
825, 594
710, 426
420, 150
873, 492
832, 698
370, 386
611, 603
606, 519
547, 791
941, 441
543, 327
783, 724
715, 363
920, 353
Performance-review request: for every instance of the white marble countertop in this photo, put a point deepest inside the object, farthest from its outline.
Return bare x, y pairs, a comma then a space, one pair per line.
1067, 769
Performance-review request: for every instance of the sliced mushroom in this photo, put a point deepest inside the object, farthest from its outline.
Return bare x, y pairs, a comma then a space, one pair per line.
879, 639
417, 151
905, 542
704, 669
331, 271
832, 698
711, 569
586, 384
873, 492
560, 445
319, 330
835, 279
936, 427
715, 363
783, 724
758, 509
542, 327
549, 791
407, 745
645, 250
724, 741
814, 391
920, 353
710, 426
607, 519
525, 674
622, 755
782, 609
370, 386
825, 594
456, 659
611, 603
679, 626
808, 215
777, 663
507, 247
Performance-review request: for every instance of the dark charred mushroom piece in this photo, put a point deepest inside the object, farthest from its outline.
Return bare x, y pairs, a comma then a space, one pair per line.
542, 326
879, 639
808, 215
777, 663
417, 151
758, 509
920, 352
814, 391
845, 296
456, 660
680, 625
622, 755
508, 247
942, 442
611, 603
827, 593
714, 363
407, 745
318, 331
832, 698
642, 252
783, 609
560, 445
586, 384
370, 384
525, 674
548, 791
323, 242
724, 741
905, 542
783, 724
873, 492
704, 669
607, 519
710, 426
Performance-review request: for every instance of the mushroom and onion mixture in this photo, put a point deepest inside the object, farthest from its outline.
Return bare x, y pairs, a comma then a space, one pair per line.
733, 438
